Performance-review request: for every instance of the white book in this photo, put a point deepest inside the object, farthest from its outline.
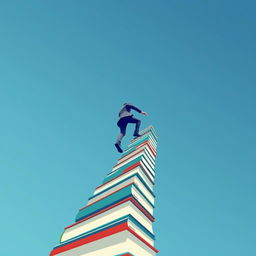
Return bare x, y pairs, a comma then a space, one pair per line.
140, 141
124, 176
127, 208
131, 191
132, 179
133, 153
119, 243
121, 164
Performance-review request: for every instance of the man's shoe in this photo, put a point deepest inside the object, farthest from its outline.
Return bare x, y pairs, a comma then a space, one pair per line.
118, 148
136, 135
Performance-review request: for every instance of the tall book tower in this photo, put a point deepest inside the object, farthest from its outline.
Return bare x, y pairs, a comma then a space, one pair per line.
117, 220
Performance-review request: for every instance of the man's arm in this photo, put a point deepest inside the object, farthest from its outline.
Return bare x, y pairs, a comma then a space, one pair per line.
135, 108
129, 106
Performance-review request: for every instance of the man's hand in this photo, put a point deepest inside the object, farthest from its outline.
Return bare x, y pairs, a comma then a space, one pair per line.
144, 113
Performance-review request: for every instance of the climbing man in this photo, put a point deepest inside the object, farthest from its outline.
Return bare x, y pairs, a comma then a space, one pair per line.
126, 117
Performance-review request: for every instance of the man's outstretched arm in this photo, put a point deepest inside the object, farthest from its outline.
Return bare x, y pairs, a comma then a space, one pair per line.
137, 109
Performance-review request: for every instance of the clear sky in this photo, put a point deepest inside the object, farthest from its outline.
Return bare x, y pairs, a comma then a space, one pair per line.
66, 67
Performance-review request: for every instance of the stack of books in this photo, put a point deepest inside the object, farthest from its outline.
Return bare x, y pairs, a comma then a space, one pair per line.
118, 218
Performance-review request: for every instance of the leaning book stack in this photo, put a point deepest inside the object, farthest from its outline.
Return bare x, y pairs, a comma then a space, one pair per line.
118, 218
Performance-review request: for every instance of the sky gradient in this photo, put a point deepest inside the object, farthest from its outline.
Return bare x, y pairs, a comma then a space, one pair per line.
66, 69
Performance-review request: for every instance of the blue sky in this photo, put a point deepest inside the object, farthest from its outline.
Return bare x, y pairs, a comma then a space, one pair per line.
67, 67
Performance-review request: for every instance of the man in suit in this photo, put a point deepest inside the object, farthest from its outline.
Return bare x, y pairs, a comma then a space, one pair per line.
126, 117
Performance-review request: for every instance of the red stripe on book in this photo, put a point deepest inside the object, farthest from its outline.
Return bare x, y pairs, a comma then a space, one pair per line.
125, 171
144, 211
107, 196
94, 237
90, 239
151, 218
136, 153
143, 240
128, 169
128, 157
153, 151
148, 143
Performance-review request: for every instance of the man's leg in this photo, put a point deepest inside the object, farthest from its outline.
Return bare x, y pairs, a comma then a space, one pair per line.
122, 125
121, 135
137, 125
